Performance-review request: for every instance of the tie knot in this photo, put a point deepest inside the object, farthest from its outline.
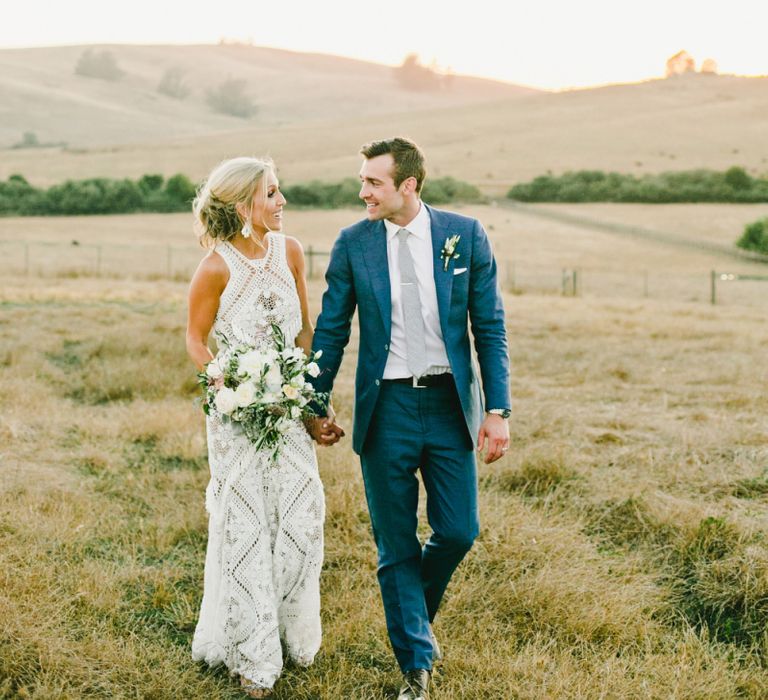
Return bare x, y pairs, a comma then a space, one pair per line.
403, 234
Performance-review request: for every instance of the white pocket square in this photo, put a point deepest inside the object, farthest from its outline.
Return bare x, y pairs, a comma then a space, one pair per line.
459, 270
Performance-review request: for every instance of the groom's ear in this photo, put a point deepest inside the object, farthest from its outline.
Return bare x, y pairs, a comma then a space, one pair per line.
408, 186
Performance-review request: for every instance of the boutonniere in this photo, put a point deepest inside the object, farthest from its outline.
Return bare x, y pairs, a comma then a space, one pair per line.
449, 250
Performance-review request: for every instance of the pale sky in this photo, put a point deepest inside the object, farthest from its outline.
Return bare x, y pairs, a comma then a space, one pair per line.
543, 43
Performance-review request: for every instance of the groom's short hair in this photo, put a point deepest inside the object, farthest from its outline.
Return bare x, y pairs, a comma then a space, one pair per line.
409, 160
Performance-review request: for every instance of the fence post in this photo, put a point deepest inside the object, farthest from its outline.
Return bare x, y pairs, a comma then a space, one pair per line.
564, 284
311, 256
713, 287
576, 282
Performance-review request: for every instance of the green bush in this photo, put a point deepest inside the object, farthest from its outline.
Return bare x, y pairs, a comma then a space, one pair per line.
755, 237
152, 193
734, 185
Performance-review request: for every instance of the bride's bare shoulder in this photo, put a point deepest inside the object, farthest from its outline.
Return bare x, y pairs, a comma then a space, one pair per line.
212, 272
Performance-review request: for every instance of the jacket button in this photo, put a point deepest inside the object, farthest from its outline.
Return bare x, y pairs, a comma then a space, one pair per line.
377, 382
386, 346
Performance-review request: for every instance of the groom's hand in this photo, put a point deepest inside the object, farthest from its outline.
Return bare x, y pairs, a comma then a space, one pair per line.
495, 432
324, 430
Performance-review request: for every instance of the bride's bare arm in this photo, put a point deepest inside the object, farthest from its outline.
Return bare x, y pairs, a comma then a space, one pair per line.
295, 255
205, 290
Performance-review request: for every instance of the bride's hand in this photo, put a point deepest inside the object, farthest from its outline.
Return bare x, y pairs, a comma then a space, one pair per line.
324, 430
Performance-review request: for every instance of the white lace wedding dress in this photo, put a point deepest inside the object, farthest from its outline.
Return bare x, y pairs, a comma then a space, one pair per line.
265, 535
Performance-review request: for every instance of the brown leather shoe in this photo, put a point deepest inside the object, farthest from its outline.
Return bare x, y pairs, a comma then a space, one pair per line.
415, 685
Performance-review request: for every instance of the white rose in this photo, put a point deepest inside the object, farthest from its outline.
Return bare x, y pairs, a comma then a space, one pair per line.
313, 369
295, 412
298, 353
287, 353
252, 363
226, 401
213, 369
291, 392
268, 397
245, 394
274, 378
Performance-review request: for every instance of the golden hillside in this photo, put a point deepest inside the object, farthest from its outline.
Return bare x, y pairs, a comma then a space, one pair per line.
315, 112
41, 92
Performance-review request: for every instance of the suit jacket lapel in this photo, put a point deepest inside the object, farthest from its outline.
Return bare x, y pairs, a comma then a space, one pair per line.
373, 245
441, 229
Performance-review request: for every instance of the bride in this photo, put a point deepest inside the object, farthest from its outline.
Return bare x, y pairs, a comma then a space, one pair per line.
265, 533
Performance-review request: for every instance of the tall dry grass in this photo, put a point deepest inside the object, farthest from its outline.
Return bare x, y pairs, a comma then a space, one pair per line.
622, 552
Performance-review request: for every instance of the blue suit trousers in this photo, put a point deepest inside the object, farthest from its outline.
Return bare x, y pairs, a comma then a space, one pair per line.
415, 429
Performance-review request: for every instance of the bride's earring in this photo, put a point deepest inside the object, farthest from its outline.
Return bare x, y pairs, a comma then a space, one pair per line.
247, 230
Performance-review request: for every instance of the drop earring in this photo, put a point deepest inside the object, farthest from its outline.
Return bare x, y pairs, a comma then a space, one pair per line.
247, 230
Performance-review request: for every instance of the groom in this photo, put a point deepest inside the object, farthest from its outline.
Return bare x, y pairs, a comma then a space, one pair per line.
417, 276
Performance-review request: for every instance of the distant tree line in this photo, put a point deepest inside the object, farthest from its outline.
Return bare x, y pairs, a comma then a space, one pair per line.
153, 193
100, 195
734, 185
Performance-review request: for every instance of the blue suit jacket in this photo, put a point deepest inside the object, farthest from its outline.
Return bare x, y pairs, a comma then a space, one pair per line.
358, 276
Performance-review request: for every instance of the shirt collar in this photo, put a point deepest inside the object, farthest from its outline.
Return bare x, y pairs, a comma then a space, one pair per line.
418, 226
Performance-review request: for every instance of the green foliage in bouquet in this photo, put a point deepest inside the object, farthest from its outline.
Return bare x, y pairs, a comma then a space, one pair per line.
262, 390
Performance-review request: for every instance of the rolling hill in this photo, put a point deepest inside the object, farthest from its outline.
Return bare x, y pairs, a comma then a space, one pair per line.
315, 111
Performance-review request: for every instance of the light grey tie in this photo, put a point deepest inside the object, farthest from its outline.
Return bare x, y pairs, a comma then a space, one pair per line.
415, 344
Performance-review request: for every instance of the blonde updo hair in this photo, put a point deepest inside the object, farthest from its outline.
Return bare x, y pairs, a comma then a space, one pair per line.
231, 182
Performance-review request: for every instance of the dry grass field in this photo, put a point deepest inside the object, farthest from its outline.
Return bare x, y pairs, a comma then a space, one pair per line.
532, 249
622, 553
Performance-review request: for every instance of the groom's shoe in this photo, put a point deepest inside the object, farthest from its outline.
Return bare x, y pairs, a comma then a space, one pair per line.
437, 654
415, 685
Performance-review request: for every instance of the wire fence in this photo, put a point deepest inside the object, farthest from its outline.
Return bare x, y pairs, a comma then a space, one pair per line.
122, 261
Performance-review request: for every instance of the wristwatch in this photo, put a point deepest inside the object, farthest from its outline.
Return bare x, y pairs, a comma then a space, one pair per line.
503, 412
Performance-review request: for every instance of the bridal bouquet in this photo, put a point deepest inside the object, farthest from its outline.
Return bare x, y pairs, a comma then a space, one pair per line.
261, 389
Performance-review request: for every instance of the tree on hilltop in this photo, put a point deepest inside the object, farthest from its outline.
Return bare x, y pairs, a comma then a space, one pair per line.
99, 64
682, 62
172, 84
230, 98
413, 75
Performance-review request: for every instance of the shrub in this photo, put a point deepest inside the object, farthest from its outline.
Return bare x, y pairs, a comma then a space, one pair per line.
172, 84
98, 64
755, 237
735, 185
152, 193
447, 189
413, 76
738, 178
230, 98
180, 190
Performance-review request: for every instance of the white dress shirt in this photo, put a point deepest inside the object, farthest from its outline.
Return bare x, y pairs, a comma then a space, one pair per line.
420, 245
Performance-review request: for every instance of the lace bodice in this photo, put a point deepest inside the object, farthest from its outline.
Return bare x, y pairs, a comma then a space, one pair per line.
259, 292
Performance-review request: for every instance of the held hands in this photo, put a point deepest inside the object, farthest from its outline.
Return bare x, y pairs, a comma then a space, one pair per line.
323, 429
494, 431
